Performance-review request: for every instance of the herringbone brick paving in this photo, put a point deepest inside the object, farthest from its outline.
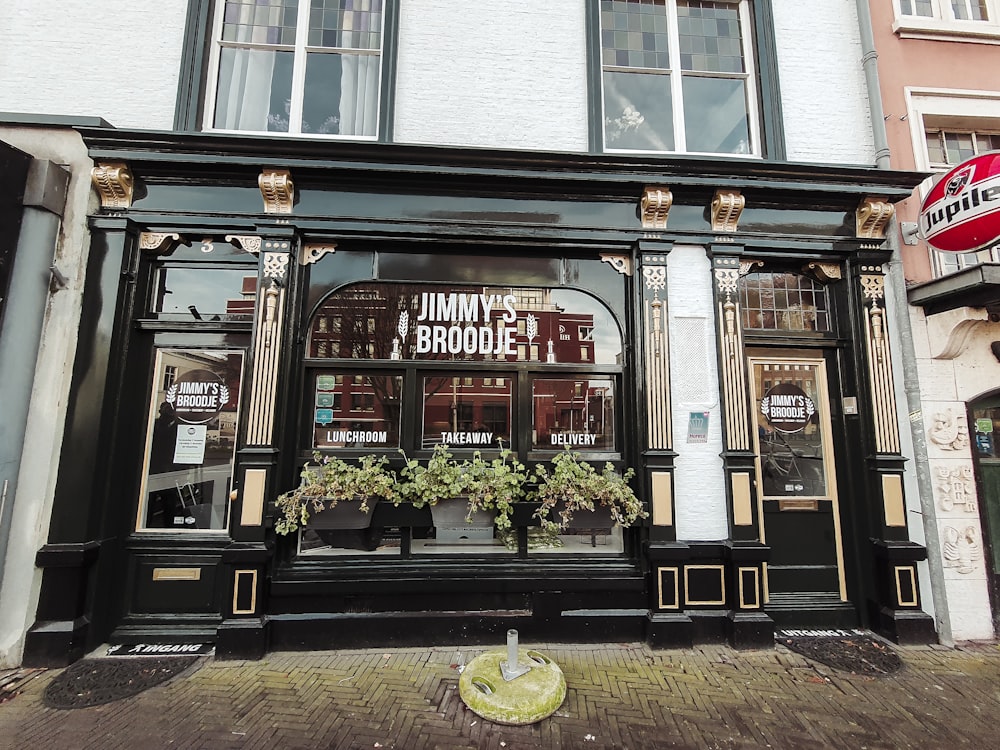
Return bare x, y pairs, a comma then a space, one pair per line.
619, 696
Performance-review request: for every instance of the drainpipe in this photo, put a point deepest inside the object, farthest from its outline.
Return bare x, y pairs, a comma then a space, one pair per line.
901, 316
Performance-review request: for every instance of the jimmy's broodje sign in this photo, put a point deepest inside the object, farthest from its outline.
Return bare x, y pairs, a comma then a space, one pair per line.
961, 213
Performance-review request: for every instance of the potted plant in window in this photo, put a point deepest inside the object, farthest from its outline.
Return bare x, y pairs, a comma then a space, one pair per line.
437, 485
495, 485
336, 494
580, 496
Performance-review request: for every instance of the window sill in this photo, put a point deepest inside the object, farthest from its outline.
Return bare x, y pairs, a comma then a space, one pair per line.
980, 32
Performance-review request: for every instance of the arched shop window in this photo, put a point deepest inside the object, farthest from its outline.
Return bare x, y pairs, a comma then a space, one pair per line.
474, 354
393, 366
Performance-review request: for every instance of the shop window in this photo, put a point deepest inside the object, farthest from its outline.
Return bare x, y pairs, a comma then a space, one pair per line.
573, 412
371, 419
191, 440
455, 412
784, 302
296, 67
678, 76
204, 294
951, 10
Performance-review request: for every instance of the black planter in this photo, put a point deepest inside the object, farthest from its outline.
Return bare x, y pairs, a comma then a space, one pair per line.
404, 515
343, 515
599, 518
524, 514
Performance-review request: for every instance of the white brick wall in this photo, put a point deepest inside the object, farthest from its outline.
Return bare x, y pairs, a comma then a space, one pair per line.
699, 487
116, 59
503, 74
823, 93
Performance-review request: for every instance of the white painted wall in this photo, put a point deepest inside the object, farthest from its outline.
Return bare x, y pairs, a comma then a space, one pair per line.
503, 74
823, 94
699, 480
53, 372
955, 366
116, 59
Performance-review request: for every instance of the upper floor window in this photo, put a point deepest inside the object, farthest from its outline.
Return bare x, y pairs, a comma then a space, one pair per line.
947, 19
301, 67
947, 149
678, 75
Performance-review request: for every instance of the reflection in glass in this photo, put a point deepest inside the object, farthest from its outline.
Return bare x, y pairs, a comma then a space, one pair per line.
638, 112
192, 440
356, 411
574, 412
715, 115
254, 90
792, 462
205, 294
341, 94
475, 323
783, 302
464, 412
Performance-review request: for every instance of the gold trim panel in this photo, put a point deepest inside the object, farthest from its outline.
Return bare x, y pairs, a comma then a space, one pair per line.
879, 362
661, 603
722, 585
744, 604
733, 370
663, 501
236, 592
114, 184
176, 574
742, 499
911, 573
254, 481
892, 500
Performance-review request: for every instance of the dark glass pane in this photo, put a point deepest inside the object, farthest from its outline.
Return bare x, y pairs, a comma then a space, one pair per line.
205, 294
797, 304
574, 412
254, 90
351, 24
355, 411
191, 440
715, 115
260, 21
705, 30
630, 27
466, 412
341, 94
638, 113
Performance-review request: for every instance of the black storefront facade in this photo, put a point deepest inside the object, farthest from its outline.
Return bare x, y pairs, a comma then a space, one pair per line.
250, 301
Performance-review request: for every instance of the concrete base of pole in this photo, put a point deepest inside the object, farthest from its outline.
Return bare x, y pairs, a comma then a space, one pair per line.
527, 699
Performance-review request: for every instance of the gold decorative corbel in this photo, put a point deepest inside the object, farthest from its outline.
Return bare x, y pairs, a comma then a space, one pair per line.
654, 207
160, 243
278, 191
621, 263
113, 182
872, 217
823, 272
248, 243
727, 206
313, 252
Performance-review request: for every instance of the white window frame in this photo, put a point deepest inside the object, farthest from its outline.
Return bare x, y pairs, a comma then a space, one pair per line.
951, 110
676, 74
944, 26
300, 50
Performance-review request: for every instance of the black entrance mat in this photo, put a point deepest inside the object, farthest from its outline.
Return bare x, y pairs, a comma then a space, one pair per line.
91, 682
855, 651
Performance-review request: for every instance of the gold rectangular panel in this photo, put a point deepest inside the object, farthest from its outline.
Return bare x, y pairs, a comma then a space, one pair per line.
176, 574
742, 502
906, 585
663, 502
892, 500
722, 584
253, 497
669, 593
749, 576
798, 504
252, 606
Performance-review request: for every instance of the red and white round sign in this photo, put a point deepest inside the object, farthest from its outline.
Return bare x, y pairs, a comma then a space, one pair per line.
961, 213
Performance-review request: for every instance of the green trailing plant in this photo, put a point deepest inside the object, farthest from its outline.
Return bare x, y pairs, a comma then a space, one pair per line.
331, 481
575, 485
495, 484
442, 478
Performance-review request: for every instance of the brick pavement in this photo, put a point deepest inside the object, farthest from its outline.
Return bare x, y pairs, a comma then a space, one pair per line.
619, 696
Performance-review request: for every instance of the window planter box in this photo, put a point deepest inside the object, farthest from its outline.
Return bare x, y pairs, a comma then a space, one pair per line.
344, 515
451, 524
